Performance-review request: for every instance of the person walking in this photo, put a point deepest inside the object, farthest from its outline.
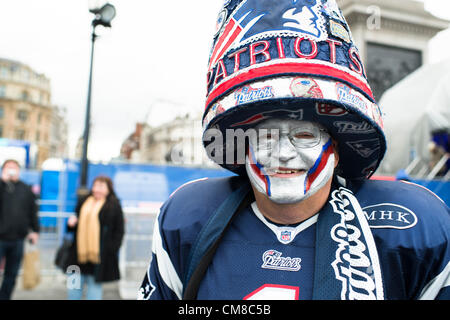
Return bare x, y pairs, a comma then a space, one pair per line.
18, 221
98, 229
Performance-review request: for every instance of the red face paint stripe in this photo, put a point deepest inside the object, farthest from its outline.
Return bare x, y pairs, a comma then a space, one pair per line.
325, 156
256, 168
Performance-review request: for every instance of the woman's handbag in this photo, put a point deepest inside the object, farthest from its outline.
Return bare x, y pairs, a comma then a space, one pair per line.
63, 254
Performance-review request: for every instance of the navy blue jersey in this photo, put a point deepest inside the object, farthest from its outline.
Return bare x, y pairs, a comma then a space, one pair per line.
258, 259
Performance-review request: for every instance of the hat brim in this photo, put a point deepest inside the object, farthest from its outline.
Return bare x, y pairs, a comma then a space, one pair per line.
352, 120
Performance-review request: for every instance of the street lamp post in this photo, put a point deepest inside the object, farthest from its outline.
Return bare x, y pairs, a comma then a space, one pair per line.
103, 17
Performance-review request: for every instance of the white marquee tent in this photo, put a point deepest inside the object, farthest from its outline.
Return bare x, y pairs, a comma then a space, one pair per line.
413, 108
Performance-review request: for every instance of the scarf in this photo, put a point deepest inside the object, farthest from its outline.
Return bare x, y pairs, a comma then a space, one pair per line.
88, 231
347, 265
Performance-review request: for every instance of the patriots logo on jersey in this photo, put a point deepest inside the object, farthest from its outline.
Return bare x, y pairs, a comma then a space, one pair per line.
252, 19
272, 259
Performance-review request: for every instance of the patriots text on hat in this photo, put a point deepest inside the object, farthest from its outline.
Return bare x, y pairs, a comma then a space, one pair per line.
292, 51
293, 59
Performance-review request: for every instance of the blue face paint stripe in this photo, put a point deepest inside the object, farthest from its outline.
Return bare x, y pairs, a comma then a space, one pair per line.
269, 192
316, 164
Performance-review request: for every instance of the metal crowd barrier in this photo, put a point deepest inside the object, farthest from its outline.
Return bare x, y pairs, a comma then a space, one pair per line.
134, 254
136, 250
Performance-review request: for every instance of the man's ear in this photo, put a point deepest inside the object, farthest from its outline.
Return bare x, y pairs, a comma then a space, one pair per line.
336, 152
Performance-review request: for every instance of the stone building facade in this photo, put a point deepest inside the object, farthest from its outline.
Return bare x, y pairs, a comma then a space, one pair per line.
392, 36
26, 111
178, 142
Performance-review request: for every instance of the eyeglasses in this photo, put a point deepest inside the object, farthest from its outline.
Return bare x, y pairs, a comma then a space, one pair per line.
299, 137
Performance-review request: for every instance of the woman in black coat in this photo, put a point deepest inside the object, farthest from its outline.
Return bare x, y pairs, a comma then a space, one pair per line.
98, 229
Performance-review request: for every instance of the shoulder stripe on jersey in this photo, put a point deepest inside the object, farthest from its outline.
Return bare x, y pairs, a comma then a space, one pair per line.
432, 289
418, 185
187, 183
165, 266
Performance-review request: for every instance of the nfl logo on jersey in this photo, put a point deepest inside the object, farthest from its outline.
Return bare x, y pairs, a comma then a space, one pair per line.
285, 236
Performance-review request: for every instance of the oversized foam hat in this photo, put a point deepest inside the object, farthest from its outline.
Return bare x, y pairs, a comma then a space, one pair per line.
292, 59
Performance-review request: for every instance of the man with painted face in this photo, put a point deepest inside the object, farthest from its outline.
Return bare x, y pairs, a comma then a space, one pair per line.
291, 114
291, 163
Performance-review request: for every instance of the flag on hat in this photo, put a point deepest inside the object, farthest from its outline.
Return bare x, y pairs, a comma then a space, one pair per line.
293, 59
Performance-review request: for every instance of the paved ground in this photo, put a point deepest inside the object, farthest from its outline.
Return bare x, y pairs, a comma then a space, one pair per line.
54, 288
53, 281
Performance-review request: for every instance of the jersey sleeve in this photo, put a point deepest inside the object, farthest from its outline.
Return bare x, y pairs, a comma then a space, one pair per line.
162, 279
179, 221
437, 214
411, 227
438, 288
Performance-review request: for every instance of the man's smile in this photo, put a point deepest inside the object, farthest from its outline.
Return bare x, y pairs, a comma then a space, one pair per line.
285, 172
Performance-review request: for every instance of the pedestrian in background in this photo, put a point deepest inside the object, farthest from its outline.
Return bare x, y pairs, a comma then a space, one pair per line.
18, 221
98, 229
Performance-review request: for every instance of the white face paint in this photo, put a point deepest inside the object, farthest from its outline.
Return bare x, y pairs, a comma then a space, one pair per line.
295, 165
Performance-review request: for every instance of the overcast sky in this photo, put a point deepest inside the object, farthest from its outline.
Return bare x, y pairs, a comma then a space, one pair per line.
156, 50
